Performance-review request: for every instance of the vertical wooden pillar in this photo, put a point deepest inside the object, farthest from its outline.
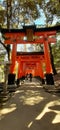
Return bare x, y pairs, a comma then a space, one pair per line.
47, 56
41, 74
13, 58
20, 70
49, 76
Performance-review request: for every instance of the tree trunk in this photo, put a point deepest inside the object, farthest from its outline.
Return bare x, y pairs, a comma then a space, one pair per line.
7, 48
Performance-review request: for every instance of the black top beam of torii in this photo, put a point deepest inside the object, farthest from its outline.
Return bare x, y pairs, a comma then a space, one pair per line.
33, 27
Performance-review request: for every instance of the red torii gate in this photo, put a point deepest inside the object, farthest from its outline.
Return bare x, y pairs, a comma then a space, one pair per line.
32, 35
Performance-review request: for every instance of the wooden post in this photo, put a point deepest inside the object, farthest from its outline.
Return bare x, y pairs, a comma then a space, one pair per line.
47, 56
41, 74
49, 76
19, 67
13, 58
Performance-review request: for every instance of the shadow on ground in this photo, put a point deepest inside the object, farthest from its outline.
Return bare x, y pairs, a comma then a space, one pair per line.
31, 108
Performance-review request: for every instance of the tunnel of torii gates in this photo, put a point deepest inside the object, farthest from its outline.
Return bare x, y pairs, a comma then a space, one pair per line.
31, 62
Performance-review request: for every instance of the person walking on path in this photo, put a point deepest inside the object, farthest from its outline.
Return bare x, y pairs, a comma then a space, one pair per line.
30, 77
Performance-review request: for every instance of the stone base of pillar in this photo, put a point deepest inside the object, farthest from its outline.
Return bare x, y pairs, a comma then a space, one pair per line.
49, 79
12, 88
17, 82
11, 79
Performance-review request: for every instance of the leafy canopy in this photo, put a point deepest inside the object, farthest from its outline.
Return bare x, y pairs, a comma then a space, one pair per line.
20, 12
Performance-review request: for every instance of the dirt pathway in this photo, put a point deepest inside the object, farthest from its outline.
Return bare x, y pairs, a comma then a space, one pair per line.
31, 108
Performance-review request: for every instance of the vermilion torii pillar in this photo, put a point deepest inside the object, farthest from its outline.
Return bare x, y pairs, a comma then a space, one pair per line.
41, 71
13, 58
49, 72
47, 56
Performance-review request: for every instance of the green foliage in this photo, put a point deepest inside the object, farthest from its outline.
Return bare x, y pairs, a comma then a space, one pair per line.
54, 6
56, 53
20, 12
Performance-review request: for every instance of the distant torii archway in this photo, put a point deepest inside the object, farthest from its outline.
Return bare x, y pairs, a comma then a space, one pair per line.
32, 35
30, 63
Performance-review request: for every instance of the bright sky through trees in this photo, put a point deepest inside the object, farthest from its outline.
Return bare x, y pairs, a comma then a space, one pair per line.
39, 21
28, 12
45, 11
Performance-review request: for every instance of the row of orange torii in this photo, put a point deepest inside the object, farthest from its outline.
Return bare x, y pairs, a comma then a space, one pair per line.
31, 62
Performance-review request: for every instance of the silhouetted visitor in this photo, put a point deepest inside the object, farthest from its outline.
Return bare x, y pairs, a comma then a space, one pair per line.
27, 76
30, 77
